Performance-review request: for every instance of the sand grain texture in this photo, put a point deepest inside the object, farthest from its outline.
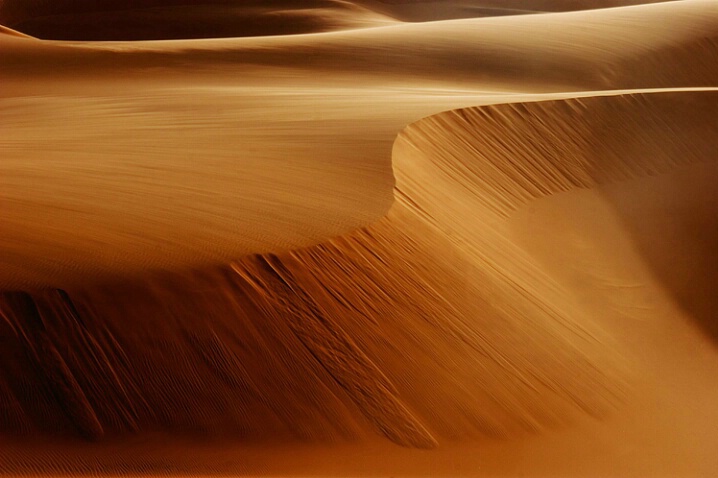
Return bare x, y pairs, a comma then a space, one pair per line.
479, 245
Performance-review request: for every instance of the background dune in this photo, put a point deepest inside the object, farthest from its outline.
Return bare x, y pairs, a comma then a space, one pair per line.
229, 242
168, 19
432, 10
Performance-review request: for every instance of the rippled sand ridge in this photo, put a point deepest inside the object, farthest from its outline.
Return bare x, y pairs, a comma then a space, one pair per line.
367, 238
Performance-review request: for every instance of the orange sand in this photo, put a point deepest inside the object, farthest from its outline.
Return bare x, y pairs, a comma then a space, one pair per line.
253, 256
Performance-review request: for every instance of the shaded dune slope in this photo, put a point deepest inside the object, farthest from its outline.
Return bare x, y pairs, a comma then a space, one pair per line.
430, 325
161, 20
11, 32
89, 218
432, 10
590, 141
613, 48
167, 19
607, 142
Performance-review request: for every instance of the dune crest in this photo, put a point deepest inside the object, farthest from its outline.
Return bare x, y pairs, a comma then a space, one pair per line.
9, 31
199, 253
184, 180
164, 20
506, 348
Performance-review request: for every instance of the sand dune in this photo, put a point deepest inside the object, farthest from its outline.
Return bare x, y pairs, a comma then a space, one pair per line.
347, 345
11, 32
209, 118
157, 20
165, 19
241, 240
609, 49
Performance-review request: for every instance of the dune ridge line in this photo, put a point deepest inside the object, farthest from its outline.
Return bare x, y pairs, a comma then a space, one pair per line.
269, 320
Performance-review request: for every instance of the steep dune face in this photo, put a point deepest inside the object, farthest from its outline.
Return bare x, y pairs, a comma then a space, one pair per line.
336, 321
596, 140
432, 324
11, 32
600, 141
197, 252
672, 221
189, 130
432, 10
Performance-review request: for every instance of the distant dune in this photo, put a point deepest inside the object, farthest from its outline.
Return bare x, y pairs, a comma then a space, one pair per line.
175, 19
10, 31
156, 20
490, 239
432, 10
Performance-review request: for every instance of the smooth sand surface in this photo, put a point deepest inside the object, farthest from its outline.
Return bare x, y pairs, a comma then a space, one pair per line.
476, 246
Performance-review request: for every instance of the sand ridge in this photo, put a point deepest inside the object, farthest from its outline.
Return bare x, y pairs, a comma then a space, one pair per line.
368, 288
212, 143
161, 20
165, 19
329, 318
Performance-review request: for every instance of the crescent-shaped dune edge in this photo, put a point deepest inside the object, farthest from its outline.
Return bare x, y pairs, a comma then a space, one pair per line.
433, 324
526, 287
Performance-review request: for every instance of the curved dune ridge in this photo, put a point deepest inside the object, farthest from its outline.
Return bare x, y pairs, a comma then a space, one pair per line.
583, 50
11, 32
425, 326
199, 146
198, 251
161, 20
174, 19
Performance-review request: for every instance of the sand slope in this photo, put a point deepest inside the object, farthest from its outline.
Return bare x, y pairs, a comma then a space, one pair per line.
157, 20
348, 344
165, 19
215, 147
218, 255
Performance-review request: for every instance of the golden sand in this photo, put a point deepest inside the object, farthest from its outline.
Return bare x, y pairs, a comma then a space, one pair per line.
356, 241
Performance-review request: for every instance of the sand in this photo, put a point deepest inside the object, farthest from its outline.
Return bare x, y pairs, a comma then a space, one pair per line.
370, 239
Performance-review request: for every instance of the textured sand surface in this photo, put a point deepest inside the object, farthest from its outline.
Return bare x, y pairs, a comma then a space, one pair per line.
461, 247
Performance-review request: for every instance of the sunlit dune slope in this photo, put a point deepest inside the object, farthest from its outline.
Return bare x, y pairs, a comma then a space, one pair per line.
433, 324
205, 158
